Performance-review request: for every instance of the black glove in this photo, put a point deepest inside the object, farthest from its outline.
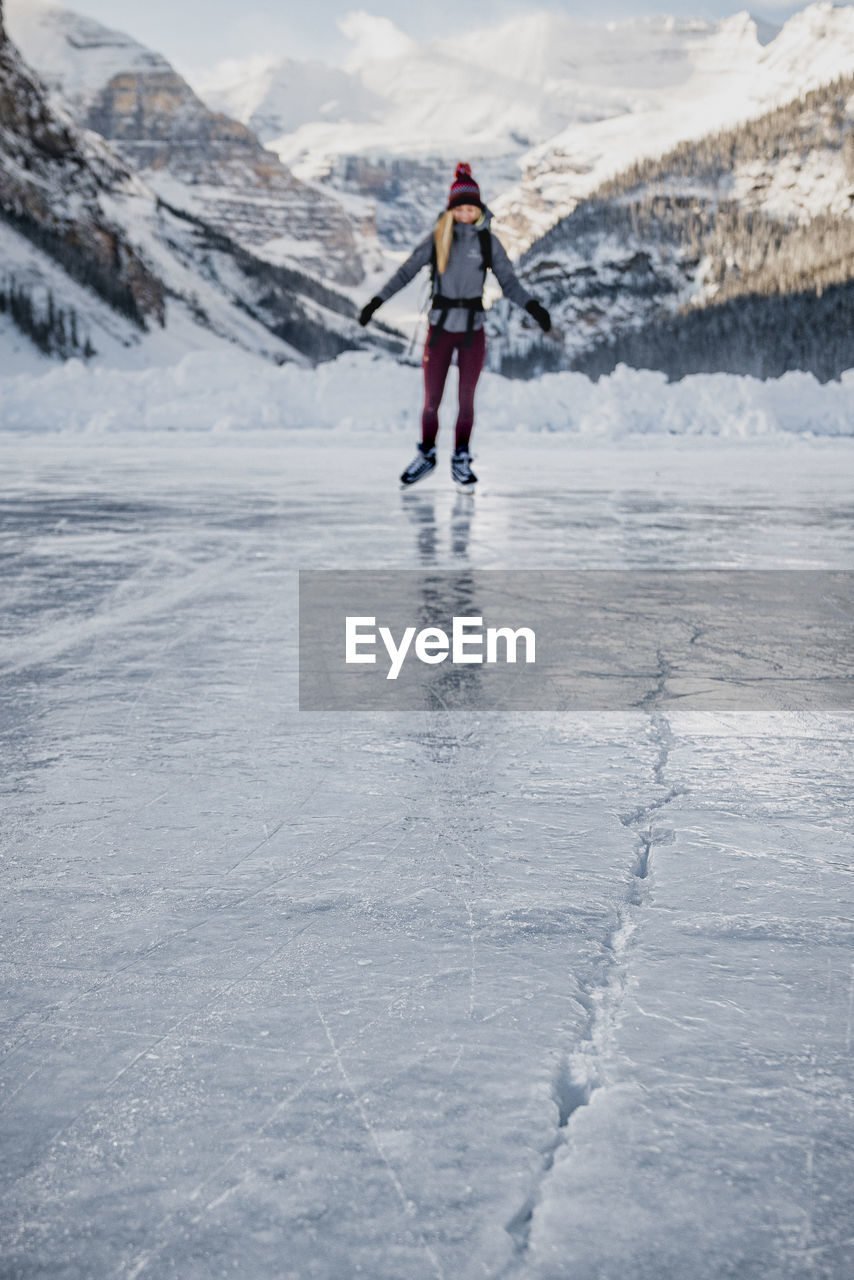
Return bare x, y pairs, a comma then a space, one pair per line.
540, 314
368, 310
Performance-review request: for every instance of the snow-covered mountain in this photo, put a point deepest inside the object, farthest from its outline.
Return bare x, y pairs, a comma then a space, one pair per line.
747, 233
202, 161
545, 107
703, 77
93, 262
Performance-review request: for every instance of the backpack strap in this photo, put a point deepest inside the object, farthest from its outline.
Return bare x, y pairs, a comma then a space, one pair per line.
485, 238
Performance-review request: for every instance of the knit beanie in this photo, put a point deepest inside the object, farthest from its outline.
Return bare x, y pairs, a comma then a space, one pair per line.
464, 189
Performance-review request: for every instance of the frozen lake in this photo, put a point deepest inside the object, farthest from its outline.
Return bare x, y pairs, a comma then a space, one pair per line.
531, 997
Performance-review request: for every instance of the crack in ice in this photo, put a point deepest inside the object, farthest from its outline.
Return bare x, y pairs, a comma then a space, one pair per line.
579, 1076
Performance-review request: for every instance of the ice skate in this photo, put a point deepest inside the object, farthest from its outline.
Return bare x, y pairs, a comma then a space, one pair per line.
461, 469
420, 466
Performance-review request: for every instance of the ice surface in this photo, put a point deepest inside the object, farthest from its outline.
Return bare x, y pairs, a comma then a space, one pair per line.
432, 996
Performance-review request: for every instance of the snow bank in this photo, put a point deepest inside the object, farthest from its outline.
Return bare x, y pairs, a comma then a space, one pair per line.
363, 392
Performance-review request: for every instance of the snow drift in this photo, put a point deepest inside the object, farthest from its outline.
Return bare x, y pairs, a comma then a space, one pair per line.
360, 392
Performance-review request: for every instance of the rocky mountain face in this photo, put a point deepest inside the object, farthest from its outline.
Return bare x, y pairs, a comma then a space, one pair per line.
198, 159
735, 251
93, 262
51, 182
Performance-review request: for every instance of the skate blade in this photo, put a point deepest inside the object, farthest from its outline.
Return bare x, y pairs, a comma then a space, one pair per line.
410, 484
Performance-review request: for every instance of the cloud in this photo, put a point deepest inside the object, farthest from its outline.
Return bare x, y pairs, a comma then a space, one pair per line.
373, 38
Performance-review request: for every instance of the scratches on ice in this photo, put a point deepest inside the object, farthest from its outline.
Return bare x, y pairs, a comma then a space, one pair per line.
409, 1208
578, 1076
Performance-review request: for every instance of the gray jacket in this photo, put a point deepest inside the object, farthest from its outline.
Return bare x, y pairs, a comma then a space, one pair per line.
464, 276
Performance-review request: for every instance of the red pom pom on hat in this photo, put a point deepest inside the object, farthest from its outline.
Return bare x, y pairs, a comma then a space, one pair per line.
464, 189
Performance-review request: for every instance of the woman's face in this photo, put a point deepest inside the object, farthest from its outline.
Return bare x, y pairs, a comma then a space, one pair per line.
466, 213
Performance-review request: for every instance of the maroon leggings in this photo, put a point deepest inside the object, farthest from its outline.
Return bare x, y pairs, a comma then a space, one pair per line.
436, 363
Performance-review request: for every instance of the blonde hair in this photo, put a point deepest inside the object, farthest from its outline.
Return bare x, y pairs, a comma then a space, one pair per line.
442, 237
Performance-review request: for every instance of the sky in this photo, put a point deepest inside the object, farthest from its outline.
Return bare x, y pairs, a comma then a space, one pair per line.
194, 34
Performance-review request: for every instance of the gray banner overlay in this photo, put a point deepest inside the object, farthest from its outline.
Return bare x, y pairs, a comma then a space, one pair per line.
584, 640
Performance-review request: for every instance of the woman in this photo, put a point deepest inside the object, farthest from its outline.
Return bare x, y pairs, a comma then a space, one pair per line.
460, 249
